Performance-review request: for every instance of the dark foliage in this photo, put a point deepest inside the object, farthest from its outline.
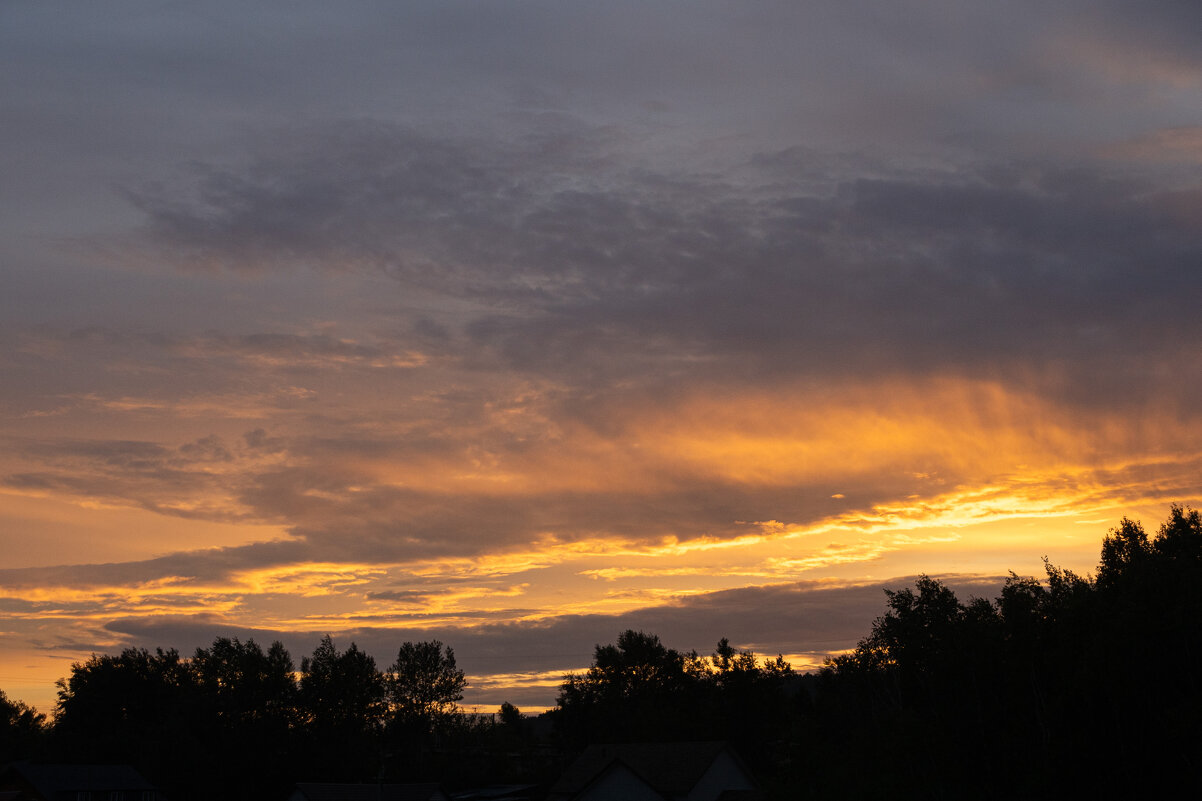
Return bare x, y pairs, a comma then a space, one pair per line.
138, 707
341, 709
250, 698
639, 690
1069, 686
22, 731
236, 721
423, 687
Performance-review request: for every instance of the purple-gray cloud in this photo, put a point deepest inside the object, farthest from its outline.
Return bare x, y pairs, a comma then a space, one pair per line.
616, 273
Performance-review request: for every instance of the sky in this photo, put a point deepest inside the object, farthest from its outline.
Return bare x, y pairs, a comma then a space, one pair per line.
517, 324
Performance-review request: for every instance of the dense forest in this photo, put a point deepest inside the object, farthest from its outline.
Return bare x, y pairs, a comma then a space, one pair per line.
1062, 687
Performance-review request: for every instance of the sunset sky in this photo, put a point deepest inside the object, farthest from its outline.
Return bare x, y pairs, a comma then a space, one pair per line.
516, 324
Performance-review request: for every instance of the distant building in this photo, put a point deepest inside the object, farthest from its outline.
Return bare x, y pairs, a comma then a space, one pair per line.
311, 791
656, 772
22, 781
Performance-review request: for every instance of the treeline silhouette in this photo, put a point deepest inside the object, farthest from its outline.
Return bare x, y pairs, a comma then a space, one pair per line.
236, 721
639, 690
1072, 686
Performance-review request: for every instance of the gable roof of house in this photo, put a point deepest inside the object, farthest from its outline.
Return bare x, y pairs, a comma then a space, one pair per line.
611, 782
671, 769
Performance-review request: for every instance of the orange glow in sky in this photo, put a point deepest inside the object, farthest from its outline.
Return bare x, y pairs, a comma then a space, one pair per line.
486, 333
998, 490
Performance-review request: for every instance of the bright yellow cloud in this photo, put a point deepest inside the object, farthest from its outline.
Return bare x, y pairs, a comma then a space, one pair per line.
951, 430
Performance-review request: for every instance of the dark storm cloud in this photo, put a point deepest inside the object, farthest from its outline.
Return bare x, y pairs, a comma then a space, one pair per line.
1001, 270
913, 275
427, 207
604, 258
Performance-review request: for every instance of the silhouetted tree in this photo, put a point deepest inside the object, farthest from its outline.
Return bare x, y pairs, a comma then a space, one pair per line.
510, 715
248, 686
424, 683
638, 689
22, 730
1124, 551
424, 687
342, 704
744, 700
1027, 696
137, 707
251, 697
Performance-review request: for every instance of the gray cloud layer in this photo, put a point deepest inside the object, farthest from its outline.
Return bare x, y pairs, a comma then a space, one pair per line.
590, 267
